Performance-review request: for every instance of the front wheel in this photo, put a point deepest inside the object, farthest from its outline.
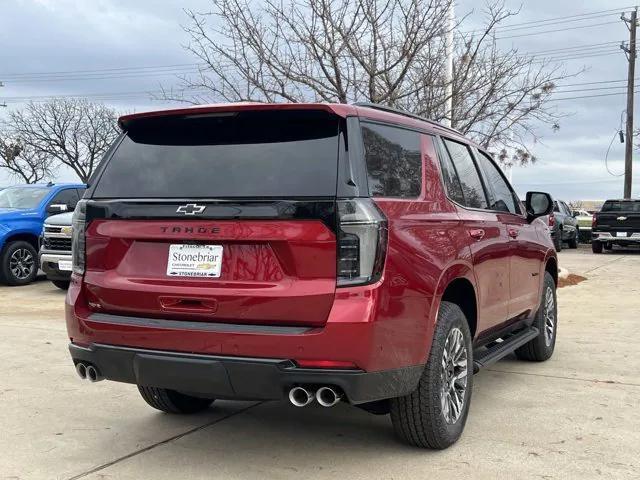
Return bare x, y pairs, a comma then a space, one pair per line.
434, 414
573, 243
19, 263
546, 321
170, 401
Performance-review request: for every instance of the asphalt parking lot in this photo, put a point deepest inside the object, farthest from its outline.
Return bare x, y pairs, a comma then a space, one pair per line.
575, 416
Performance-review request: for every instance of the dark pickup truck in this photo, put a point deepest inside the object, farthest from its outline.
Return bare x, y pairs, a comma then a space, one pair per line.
618, 223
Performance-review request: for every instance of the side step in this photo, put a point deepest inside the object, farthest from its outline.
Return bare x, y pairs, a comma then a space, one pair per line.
498, 350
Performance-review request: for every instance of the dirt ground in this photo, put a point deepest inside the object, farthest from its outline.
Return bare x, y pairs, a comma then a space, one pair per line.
575, 416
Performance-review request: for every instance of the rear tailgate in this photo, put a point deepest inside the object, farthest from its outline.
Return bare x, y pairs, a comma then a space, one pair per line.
218, 219
619, 216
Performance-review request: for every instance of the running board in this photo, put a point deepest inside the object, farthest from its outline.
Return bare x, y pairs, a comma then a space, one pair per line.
501, 349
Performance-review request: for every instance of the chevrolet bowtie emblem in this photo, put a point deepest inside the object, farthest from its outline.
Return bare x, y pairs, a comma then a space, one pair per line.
621, 218
191, 209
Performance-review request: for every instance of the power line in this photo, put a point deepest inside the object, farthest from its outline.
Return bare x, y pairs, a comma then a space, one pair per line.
101, 70
587, 96
542, 22
576, 47
556, 30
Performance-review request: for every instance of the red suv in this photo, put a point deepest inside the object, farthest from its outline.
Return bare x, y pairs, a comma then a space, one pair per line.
310, 252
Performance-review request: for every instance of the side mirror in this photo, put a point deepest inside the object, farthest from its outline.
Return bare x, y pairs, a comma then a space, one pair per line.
56, 208
538, 204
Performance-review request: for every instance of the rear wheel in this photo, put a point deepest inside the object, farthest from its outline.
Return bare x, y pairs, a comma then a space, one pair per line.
61, 284
19, 263
557, 240
171, 401
608, 246
596, 247
434, 415
573, 242
541, 348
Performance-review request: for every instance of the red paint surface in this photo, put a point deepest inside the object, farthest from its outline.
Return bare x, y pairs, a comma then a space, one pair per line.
283, 273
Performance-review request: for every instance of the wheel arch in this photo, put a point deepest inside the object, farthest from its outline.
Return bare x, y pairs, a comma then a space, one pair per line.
551, 266
29, 237
457, 285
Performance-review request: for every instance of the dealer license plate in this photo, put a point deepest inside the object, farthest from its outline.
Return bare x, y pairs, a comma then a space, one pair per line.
194, 261
621, 234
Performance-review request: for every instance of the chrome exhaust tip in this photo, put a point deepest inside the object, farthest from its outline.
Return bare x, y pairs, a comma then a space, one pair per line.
81, 368
327, 396
300, 397
92, 374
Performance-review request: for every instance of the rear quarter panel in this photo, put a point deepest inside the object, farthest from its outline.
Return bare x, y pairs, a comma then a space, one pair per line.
427, 250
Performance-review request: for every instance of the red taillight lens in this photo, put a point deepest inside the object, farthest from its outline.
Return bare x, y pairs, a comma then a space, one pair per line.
78, 238
593, 222
362, 242
326, 364
552, 219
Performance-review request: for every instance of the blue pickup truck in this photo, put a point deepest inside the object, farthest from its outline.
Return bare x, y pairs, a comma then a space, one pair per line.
23, 210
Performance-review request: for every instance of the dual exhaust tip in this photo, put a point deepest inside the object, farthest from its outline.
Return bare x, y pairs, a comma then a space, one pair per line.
88, 372
325, 396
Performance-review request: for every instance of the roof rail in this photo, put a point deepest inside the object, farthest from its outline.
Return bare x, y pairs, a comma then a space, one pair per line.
385, 108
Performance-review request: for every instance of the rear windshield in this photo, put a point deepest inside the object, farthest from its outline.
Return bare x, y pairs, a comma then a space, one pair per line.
282, 153
621, 206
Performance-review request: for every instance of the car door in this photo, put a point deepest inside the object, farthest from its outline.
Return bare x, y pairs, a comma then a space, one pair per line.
570, 222
526, 256
488, 239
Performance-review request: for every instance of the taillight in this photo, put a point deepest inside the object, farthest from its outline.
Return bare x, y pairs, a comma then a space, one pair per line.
593, 221
78, 239
362, 242
552, 219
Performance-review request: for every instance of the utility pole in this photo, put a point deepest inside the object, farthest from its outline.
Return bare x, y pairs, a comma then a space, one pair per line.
2, 104
630, 51
448, 53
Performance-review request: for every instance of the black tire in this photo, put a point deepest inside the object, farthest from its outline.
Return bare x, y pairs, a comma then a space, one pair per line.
171, 401
61, 284
608, 246
557, 240
541, 348
12, 252
418, 418
573, 242
596, 247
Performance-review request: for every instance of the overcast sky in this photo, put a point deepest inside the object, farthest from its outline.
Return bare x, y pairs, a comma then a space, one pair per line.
43, 36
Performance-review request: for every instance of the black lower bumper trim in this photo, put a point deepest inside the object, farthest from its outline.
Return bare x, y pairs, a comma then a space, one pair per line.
238, 378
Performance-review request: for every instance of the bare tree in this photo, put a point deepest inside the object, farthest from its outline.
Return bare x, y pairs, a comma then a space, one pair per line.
75, 133
22, 161
383, 51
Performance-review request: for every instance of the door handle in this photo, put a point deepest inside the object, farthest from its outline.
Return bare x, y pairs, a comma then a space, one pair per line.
476, 233
513, 232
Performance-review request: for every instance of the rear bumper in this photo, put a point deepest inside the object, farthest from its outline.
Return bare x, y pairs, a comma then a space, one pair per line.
608, 237
239, 378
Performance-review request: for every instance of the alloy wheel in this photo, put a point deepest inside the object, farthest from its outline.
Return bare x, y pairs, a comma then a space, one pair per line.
21, 263
454, 374
549, 317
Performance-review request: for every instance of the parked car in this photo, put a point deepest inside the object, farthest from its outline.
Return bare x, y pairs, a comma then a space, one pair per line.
309, 252
618, 223
563, 226
584, 219
55, 249
23, 210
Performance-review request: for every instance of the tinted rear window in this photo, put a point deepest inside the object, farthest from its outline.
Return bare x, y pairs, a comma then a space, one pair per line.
618, 206
240, 154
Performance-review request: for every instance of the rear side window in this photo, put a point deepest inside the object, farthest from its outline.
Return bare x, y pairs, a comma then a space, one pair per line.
621, 206
451, 180
394, 163
275, 153
502, 198
472, 189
